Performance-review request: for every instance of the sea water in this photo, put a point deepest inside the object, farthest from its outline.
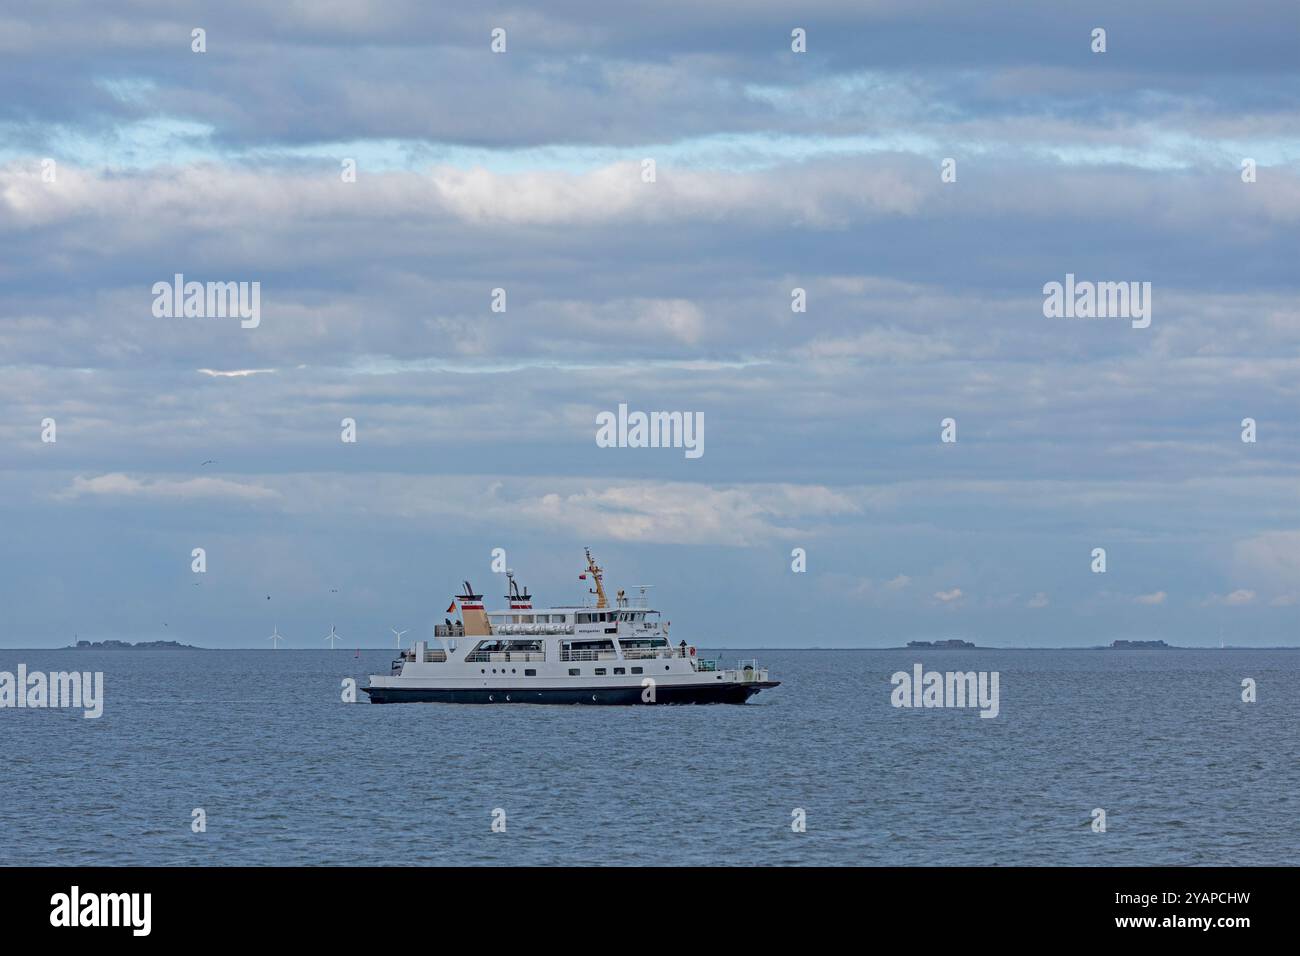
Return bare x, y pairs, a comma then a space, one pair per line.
252, 757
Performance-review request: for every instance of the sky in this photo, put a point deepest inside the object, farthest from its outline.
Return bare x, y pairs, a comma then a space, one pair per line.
127, 157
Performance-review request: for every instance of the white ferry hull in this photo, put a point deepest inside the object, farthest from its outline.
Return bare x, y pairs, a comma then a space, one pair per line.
729, 692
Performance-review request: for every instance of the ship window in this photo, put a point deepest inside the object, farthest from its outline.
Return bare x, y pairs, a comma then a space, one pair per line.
574, 672
558, 618
620, 670
530, 672
600, 672
636, 670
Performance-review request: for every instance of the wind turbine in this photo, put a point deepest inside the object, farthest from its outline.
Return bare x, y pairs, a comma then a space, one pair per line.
275, 637
332, 637
399, 635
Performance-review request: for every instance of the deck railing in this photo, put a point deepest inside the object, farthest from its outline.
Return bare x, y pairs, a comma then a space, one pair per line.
584, 655
532, 628
647, 653
504, 657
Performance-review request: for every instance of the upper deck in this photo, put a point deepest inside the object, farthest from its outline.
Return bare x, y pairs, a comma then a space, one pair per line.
625, 622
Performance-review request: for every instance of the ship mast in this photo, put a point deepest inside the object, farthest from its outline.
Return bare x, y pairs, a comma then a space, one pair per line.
596, 573
519, 601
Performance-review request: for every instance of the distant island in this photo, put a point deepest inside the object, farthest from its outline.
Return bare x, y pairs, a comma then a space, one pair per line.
1139, 646
141, 646
947, 645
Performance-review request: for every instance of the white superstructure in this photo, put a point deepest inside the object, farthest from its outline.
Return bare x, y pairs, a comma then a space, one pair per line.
602, 654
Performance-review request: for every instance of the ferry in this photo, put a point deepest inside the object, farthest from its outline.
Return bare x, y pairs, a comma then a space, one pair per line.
567, 654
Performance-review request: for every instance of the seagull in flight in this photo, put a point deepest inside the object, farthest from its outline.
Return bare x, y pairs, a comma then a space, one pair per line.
210, 461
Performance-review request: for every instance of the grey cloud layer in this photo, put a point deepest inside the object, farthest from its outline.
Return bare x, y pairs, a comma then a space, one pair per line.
774, 172
636, 73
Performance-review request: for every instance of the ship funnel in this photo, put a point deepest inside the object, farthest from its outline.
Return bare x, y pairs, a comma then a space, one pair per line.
472, 614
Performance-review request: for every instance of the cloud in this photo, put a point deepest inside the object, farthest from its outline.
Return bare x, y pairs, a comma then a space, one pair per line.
1038, 600
947, 597
1156, 598
117, 484
688, 513
685, 513
1272, 557
236, 373
1237, 598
